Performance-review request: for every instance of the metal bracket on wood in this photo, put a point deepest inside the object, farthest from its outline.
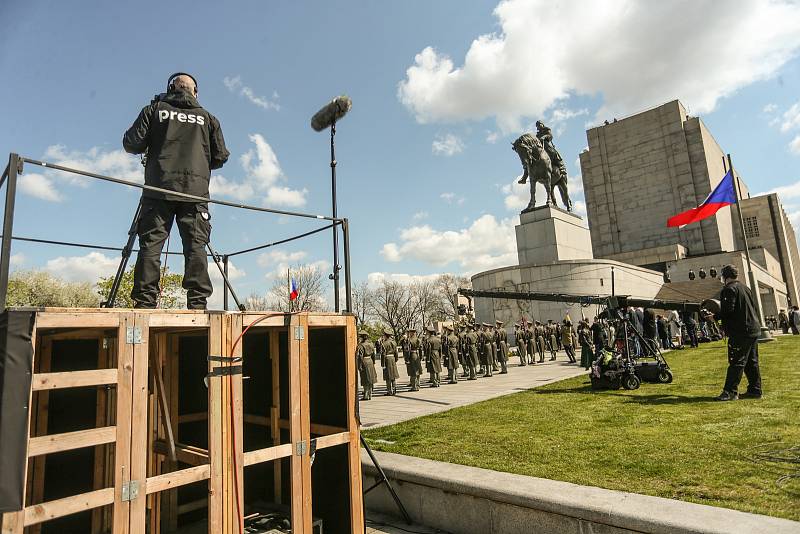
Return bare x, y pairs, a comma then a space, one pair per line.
133, 335
130, 490
225, 371
301, 447
299, 333
232, 359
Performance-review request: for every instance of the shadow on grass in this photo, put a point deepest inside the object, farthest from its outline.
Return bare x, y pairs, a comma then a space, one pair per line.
667, 399
586, 388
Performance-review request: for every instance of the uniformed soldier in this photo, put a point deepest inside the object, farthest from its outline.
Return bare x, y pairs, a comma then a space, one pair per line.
569, 339
365, 359
463, 350
552, 332
522, 349
530, 337
412, 348
425, 354
450, 344
501, 342
488, 349
472, 340
389, 361
540, 341
435, 356
183, 142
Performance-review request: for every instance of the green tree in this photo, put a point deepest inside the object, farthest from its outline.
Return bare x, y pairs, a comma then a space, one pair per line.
172, 292
40, 288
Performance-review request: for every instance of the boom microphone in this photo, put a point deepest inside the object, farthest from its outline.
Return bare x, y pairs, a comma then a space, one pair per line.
331, 112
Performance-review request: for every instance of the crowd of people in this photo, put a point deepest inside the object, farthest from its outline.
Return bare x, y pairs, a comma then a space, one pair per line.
469, 350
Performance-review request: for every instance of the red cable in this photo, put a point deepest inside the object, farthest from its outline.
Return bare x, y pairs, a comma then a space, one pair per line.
239, 517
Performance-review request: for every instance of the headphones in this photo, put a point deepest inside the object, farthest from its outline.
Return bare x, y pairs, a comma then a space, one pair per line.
171, 85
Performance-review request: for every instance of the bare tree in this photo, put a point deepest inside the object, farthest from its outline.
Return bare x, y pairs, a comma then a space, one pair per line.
310, 291
256, 302
362, 303
393, 305
448, 285
425, 299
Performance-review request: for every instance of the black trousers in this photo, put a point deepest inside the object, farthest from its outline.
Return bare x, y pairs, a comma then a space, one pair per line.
155, 223
743, 358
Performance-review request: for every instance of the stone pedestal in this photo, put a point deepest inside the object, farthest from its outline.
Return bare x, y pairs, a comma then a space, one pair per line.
549, 234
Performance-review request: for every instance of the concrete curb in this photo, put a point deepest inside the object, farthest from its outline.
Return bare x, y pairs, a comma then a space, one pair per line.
437, 494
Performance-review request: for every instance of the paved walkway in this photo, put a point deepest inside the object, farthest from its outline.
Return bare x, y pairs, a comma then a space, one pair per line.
383, 410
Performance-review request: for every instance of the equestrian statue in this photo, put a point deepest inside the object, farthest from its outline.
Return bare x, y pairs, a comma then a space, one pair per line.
542, 163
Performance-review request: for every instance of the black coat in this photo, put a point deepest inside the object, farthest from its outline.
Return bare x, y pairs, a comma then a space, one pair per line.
183, 143
738, 311
649, 324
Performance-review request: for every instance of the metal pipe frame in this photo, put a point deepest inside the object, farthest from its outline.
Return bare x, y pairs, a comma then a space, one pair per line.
583, 299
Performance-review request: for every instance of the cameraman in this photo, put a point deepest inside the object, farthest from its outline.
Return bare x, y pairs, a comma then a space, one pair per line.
182, 142
740, 320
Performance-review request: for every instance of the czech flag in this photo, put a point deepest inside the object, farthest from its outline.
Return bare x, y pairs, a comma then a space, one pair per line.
723, 195
293, 291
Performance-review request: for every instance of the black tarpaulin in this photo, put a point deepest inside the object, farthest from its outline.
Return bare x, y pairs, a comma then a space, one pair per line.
16, 366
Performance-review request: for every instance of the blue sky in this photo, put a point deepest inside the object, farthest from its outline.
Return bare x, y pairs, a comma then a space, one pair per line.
439, 91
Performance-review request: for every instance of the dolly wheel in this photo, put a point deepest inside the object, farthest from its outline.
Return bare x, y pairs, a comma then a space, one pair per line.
665, 376
631, 382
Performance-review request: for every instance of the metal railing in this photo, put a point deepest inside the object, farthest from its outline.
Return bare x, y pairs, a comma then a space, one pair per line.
15, 167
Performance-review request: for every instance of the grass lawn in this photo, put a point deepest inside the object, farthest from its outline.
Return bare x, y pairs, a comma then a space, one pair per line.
666, 440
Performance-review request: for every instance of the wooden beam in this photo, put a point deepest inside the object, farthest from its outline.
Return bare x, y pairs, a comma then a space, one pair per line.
193, 417
68, 505
193, 506
184, 453
74, 379
275, 409
84, 319
354, 448
305, 423
71, 440
323, 320
332, 440
179, 320
139, 428
177, 479
217, 392
122, 447
42, 415
295, 432
267, 454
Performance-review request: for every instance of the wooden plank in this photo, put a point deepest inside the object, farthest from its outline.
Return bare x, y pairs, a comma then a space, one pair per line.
276, 321
74, 379
332, 440
139, 428
101, 419
176, 479
182, 320
295, 430
275, 409
193, 417
184, 453
37, 466
172, 366
82, 319
267, 454
305, 423
71, 440
216, 394
158, 382
236, 426
124, 404
316, 428
354, 456
316, 320
199, 504
69, 505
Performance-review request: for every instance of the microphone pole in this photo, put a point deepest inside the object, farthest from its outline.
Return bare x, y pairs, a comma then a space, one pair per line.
335, 275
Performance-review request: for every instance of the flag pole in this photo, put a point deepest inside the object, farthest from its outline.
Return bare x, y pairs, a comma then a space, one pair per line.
289, 287
751, 277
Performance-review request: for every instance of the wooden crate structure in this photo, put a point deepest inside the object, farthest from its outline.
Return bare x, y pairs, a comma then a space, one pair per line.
167, 421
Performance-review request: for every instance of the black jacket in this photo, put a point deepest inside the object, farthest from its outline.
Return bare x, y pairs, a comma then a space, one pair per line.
183, 142
738, 311
649, 324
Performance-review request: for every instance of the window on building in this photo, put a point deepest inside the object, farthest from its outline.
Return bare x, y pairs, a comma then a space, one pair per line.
751, 227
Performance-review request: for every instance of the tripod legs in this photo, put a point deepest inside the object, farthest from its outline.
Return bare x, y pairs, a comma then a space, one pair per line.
218, 263
383, 479
123, 263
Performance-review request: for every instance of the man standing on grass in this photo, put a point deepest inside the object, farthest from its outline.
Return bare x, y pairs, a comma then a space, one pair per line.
794, 320
740, 320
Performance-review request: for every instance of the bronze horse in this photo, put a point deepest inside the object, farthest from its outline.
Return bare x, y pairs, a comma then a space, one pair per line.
538, 166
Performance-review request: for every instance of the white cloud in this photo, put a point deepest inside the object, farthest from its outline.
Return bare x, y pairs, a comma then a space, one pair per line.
235, 84
275, 257
420, 215
451, 198
770, 108
447, 145
492, 137
234, 272
263, 176
88, 268
790, 191
115, 163
531, 65
790, 119
376, 278
18, 260
485, 244
794, 145
39, 186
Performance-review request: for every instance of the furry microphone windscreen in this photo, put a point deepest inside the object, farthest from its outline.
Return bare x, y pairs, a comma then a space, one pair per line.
331, 112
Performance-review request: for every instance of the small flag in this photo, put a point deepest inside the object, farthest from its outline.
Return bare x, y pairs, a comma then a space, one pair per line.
722, 195
294, 292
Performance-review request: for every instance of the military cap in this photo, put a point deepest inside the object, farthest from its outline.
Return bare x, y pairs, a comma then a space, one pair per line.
363, 333
430, 329
411, 329
387, 332
448, 327
486, 325
499, 322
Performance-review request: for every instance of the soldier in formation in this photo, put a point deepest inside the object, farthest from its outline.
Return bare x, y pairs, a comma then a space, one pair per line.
388, 354
450, 350
472, 340
552, 339
434, 356
540, 340
412, 354
501, 344
365, 360
522, 344
569, 339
